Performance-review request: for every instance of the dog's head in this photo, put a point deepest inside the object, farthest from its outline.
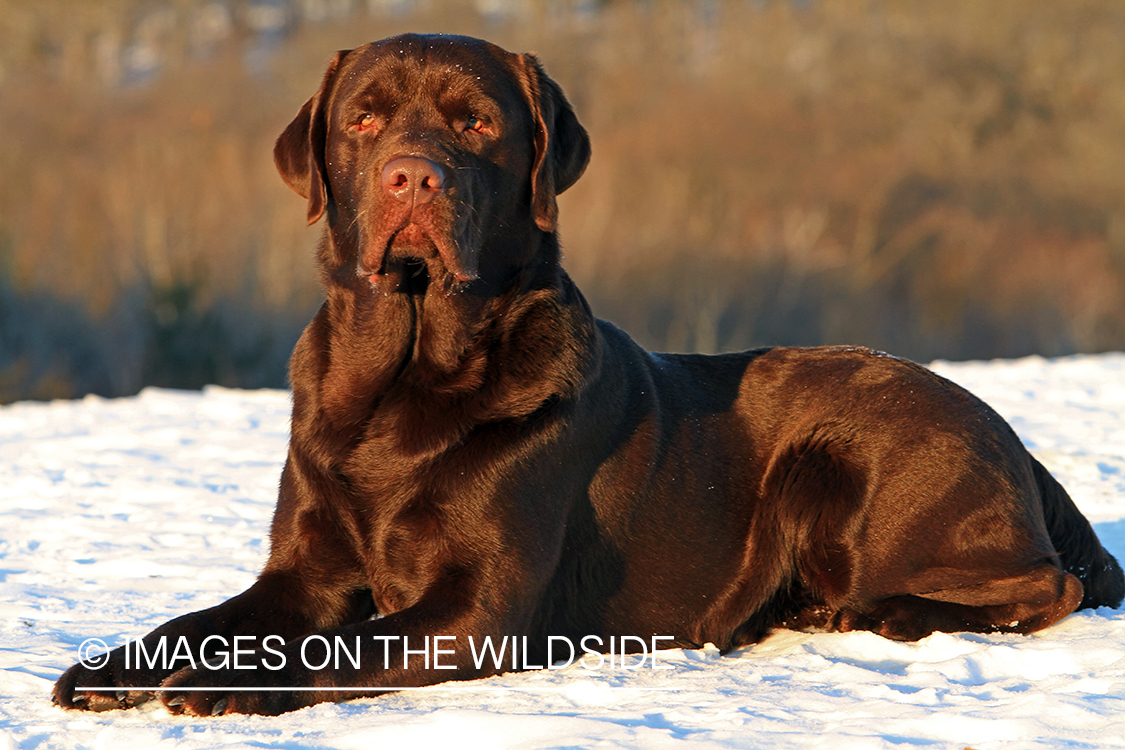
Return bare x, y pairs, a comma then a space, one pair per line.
441, 149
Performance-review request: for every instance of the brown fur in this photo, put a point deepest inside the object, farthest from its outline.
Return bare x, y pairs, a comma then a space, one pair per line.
474, 454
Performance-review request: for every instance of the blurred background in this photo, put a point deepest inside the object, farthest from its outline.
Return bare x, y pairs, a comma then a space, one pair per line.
939, 180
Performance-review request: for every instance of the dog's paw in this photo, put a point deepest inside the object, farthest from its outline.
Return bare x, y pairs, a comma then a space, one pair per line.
205, 692
102, 689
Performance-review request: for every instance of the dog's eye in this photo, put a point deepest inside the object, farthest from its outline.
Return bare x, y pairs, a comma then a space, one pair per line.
367, 122
476, 124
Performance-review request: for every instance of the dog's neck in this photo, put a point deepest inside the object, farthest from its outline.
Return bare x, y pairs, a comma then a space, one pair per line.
436, 354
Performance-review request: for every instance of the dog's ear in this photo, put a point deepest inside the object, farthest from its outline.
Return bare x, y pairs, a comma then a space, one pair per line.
299, 151
562, 148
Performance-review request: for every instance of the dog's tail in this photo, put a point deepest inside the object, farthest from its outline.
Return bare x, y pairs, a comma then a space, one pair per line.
1079, 550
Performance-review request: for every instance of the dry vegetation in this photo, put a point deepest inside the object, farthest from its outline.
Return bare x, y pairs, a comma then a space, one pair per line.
935, 179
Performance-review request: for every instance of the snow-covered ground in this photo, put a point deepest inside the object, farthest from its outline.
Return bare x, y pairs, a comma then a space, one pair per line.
118, 515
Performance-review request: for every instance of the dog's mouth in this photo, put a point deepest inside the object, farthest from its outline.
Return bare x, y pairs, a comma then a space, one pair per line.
405, 261
414, 243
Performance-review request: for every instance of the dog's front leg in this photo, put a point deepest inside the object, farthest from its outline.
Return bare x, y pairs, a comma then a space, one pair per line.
440, 638
301, 590
273, 608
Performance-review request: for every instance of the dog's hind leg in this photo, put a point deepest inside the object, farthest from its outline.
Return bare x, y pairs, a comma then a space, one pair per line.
980, 602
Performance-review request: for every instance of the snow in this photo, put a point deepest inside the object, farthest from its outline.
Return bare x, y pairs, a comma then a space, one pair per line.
116, 515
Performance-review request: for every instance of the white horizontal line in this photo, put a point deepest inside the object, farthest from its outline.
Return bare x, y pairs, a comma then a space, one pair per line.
458, 688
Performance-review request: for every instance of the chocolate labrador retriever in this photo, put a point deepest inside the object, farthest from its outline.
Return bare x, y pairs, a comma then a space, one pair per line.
478, 464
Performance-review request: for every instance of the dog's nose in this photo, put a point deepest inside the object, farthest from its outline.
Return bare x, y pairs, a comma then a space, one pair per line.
413, 179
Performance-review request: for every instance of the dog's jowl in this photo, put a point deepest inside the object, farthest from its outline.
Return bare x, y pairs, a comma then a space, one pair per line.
483, 477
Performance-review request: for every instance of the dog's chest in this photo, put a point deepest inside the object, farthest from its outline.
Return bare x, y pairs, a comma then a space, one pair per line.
403, 519
406, 553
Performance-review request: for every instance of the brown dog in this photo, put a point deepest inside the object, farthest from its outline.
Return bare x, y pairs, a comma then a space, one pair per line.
473, 455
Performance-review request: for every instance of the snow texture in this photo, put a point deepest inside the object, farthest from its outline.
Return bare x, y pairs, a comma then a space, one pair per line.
116, 515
